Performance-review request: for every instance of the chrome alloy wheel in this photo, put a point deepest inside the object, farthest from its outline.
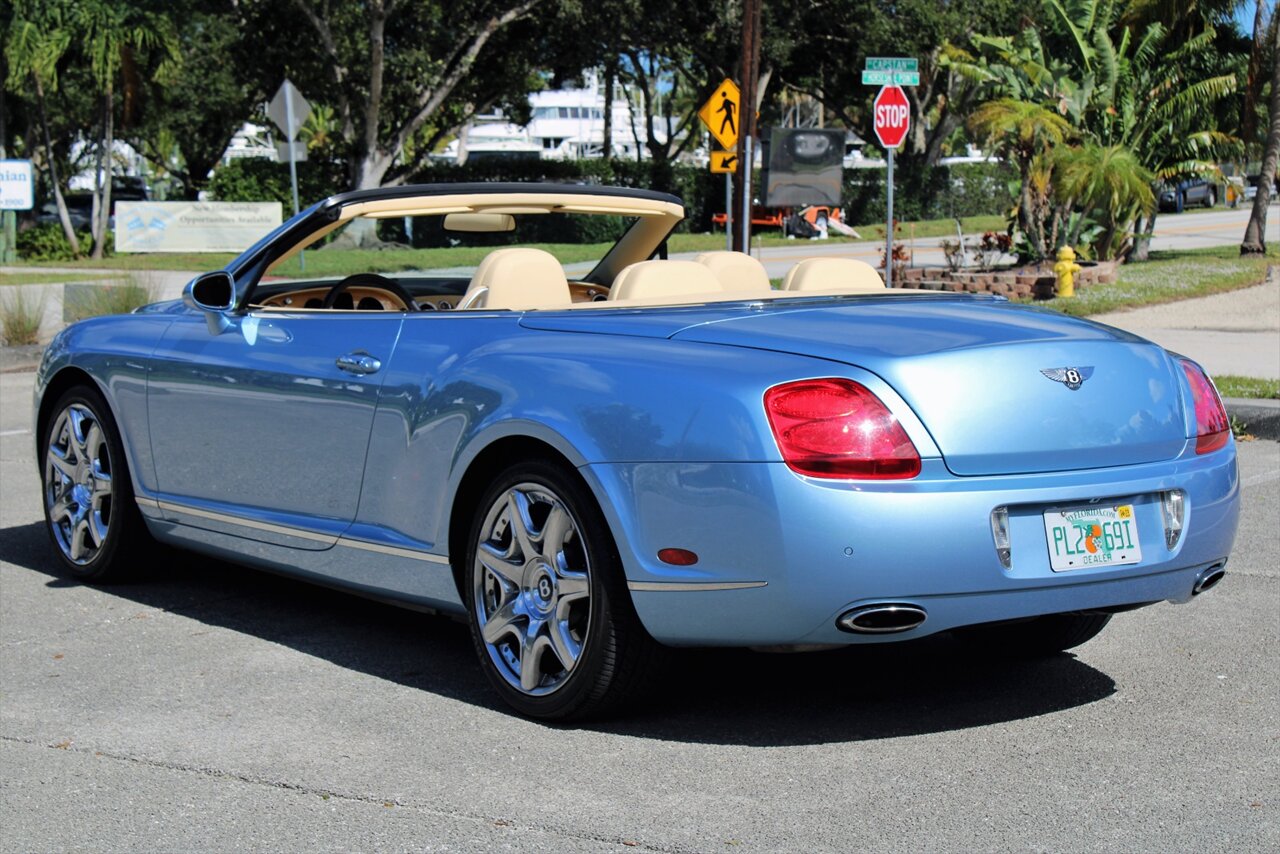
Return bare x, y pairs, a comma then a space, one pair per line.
77, 483
532, 593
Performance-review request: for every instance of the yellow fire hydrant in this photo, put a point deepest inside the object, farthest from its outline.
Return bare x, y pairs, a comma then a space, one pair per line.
1065, 270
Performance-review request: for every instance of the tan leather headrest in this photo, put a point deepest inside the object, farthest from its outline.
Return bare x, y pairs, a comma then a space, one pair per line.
519, 279
736, 271
649, 279
846, 275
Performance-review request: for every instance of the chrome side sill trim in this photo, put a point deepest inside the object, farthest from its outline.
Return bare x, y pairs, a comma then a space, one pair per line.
169, 506
149, 503
393, 550
692, 586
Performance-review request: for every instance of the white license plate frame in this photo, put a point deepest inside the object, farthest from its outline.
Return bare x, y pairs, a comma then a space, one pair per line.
1092, 536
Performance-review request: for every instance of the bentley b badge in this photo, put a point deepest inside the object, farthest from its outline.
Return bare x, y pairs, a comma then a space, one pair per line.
1072, 378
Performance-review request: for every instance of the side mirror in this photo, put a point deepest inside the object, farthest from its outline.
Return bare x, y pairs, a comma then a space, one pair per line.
215, 295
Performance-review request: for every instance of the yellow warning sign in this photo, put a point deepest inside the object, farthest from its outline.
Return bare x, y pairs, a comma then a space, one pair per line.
724, 161
720, 114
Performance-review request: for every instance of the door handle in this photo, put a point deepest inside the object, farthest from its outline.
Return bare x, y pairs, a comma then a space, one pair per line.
358, 362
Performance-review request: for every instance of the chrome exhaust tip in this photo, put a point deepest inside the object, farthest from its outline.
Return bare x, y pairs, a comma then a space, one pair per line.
882, 618
1209, 578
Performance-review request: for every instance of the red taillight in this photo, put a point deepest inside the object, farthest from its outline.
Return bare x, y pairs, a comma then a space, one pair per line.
1212, 426
836, 428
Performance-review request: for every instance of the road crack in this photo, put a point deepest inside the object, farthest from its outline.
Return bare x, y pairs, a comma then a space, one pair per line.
332, 794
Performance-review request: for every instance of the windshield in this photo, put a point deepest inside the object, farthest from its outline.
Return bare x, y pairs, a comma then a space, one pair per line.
445, 246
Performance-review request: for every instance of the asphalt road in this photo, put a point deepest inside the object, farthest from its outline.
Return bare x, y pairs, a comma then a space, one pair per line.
217, 708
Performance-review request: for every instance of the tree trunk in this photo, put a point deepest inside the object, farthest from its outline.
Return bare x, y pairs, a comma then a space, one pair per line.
96, 207
64, 215
610, 76
1141, 250
1253, 79
1255, 236
104, 210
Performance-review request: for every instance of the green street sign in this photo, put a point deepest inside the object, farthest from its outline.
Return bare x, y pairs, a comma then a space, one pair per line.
890, 78
891, 63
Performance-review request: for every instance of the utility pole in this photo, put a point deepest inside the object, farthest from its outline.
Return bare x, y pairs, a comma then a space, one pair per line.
742, 191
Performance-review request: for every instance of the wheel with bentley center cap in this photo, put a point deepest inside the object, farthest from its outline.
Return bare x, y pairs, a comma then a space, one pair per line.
550, 616
88, 500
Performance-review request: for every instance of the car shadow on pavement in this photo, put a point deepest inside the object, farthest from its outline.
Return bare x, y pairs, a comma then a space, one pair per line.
708, 696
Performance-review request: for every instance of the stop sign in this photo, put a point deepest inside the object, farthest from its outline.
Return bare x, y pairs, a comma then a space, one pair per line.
892, 116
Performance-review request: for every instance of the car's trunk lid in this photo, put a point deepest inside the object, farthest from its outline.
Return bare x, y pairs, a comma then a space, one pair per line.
1002, 389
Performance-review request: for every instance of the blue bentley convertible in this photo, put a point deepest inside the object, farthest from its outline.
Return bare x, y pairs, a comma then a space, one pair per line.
592, 461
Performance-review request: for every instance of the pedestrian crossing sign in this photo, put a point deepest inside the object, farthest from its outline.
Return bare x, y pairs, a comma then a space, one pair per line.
721, 113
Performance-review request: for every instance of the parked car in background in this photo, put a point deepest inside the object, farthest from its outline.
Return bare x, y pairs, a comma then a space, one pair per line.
124, 188
588, 464
1190, 191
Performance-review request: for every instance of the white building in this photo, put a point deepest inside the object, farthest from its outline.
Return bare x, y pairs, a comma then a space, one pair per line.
566, 124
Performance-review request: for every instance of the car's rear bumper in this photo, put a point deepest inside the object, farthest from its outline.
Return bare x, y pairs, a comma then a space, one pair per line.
781, 557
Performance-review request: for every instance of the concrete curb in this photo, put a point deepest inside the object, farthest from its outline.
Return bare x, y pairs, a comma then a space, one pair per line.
1259, 418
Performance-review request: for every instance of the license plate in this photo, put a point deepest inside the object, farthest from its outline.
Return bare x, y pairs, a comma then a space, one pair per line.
1097, 535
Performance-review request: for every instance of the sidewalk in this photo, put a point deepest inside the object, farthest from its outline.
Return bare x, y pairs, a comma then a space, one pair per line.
1232, 333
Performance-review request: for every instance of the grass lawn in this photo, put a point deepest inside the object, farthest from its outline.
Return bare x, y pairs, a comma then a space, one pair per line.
343, 262
47, 278
1230, 385
1169, 276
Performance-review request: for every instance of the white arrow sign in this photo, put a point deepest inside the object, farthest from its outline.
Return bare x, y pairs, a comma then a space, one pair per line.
288, 109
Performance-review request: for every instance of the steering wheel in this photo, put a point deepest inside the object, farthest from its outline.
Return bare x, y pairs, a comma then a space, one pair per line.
371, 280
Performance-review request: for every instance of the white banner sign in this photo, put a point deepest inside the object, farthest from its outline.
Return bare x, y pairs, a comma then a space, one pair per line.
193, 226
16, 185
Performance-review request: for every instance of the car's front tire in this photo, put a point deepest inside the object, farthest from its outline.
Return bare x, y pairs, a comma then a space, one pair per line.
1211, 198
89, 510
1039, 636
550, 616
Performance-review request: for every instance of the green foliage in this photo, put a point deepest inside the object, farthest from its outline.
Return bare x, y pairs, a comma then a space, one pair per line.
926, 193
119, 298
257, 179
47, 242
1231, 385
1109, 181
20, 316
1141, 101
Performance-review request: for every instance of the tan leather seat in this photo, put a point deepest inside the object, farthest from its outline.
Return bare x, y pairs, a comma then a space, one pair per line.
674, 279
843, 275
519, 279
736, 271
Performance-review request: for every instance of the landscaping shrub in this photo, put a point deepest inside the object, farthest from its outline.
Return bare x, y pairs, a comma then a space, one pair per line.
257, 179
46, 242
118, 298
20, 315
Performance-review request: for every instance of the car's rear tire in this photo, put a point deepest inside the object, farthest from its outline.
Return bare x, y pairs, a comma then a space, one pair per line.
551, 619
89, 510
1211, 198
1039, 636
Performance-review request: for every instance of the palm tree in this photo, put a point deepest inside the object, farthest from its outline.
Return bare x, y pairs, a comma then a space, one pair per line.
111, 36
1116, 84
1107, 179
1024, 132
37, 41
1255, 233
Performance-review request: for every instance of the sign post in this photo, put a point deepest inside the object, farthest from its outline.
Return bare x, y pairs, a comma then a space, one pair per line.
17, 193
290, 111
726, 163
892, 121
722, 114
